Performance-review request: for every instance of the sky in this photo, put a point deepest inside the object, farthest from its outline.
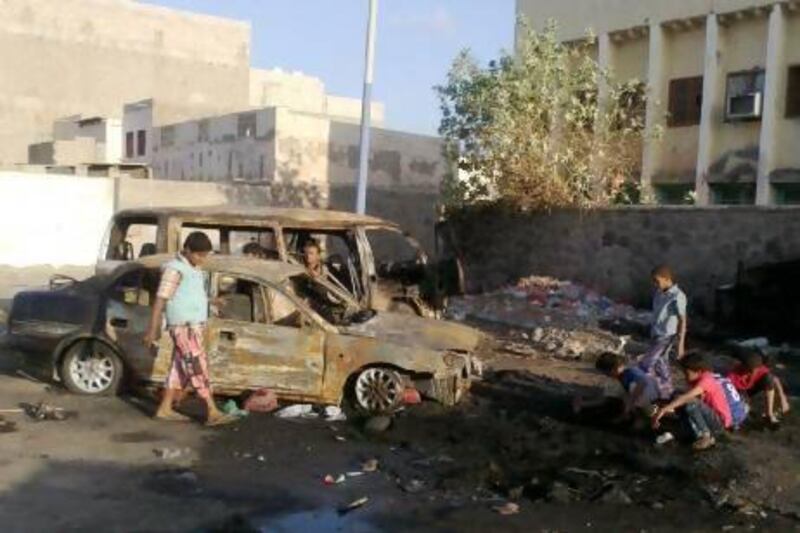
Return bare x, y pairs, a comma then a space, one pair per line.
416, 42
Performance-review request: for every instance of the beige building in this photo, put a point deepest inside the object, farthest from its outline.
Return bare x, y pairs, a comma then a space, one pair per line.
723, 78
64, 57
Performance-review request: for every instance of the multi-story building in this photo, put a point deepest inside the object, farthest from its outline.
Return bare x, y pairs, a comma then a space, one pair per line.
723, 80
65, 57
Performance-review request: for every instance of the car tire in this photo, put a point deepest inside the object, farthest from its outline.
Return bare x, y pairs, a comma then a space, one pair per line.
376, 391
91, 367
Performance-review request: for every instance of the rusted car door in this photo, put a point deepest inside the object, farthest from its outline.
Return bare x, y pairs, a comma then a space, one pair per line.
127, 316
281, 349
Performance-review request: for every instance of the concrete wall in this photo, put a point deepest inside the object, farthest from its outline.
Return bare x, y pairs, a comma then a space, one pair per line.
52, 219
58, 220
614, 250
92, 56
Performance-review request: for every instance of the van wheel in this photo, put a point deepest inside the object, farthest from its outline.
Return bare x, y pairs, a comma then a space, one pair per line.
377, 391
91, 367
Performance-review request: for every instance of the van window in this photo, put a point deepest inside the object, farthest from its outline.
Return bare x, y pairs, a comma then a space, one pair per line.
264, 238
133, 238
339, 253
212, 233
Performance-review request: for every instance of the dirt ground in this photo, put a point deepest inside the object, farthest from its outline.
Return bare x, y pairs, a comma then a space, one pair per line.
513, 439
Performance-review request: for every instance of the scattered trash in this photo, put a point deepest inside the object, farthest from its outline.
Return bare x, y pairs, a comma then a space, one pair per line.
334, 413
7, 426
261, 458
370, 466
231, 408
339, 438
413, 486
300, 410
614, 495
755, 343
353, 505
516, 492
330, 480
169, 454
411, 396
560, 493
355, 474
261, 401
507, 509
43, 411
664, 438
378, 424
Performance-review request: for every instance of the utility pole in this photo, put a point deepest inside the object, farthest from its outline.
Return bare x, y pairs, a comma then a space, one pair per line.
366, 108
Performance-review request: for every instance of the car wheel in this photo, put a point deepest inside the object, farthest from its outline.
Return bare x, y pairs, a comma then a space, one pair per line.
378, 391
91, 367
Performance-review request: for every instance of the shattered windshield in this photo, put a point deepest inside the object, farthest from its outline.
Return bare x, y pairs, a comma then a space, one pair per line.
329, 302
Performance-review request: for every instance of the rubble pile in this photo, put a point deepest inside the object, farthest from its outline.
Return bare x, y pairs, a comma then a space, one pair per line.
560, 318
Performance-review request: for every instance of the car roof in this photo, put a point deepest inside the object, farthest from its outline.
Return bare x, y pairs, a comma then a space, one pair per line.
268, 270
287, 216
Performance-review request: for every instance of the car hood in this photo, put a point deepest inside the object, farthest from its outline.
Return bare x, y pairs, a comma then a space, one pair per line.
409, 330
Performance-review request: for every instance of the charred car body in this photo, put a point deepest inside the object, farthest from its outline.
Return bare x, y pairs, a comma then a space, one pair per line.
379, 265
276, 328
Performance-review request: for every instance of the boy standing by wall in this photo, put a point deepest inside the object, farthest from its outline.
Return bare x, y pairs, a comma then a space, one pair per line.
183, 295
668, 330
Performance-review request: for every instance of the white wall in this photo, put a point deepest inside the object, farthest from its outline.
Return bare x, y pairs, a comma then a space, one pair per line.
50, 219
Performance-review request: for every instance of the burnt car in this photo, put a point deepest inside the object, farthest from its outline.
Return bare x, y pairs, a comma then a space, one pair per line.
272, 326
373, 259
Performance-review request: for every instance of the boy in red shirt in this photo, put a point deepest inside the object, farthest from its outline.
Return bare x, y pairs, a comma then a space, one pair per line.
752, 376
704, 407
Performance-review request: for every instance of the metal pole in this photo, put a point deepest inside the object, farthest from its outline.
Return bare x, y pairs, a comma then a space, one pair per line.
366, 107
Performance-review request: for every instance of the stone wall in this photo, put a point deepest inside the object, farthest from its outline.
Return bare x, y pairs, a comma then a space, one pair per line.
614, 250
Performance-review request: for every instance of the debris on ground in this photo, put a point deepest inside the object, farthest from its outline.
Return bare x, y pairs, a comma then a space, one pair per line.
7, 426
300, 410
333, 413
539, 299
231, 408
261, 401
353, 505
42, 411
169, 454
370, 465
378, 424
330, 480
556, 318
507, 509
412, 486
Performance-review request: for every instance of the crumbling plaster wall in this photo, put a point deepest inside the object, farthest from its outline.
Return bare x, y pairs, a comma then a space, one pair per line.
614, 250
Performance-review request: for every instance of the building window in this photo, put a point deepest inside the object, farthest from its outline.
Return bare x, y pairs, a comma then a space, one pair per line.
744, 95
129, 142
786, 193
685, 101
674, 193
793, 92
202, 130
167, 135
733, 193
141, 142
246, 125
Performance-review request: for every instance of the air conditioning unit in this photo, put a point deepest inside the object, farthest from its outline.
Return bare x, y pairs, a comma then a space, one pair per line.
744, 106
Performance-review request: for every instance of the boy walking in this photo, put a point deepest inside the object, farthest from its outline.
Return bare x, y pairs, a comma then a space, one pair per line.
183, 298
668, 330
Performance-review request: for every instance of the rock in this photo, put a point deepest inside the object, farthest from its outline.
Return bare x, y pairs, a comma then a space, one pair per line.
507, 509
616, 496
658, 506
537, 335
370, 465
413, 486
560, 493
378, 424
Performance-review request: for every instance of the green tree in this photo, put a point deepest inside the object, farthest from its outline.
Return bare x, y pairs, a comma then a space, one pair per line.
542, 129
